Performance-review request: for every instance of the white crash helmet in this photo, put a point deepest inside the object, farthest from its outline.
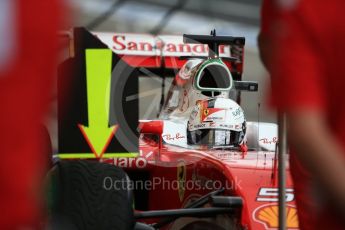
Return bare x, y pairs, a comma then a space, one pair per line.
216, 122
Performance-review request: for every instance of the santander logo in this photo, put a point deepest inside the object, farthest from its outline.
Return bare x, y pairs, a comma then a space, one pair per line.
149, 45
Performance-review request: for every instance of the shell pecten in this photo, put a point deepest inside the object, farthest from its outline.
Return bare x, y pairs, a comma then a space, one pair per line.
268, 215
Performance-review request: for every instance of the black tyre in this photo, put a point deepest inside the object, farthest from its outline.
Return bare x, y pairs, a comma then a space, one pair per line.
82, 197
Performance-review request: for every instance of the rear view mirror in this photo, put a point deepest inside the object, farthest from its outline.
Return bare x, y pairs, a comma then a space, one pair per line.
251, 86
151, 126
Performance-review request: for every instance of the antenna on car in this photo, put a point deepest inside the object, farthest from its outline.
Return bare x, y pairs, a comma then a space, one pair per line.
213, 41
214, 51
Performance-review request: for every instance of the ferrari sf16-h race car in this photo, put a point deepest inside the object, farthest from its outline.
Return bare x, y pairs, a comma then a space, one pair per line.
201, 164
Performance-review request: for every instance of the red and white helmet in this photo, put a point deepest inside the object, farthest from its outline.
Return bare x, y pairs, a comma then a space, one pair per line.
217, 122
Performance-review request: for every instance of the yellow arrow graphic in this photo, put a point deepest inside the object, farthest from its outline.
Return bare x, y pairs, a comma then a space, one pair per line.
98, 134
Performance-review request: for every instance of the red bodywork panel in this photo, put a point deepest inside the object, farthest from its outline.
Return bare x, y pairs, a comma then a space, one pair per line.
249, 176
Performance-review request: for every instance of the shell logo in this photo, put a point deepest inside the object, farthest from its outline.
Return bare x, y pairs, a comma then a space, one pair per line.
268, 216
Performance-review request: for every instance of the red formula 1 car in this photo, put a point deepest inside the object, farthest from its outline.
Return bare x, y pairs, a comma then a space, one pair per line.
201, 165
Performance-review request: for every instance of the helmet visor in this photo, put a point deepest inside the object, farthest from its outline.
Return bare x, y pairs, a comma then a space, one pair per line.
214, 137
